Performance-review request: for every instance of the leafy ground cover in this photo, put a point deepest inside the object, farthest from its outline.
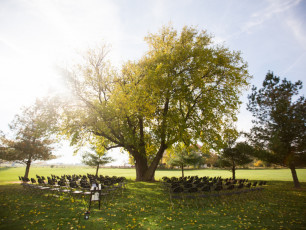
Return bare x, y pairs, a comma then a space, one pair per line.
147, 206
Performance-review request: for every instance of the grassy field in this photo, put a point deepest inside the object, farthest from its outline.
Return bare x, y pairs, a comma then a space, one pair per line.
8, 175
147, 205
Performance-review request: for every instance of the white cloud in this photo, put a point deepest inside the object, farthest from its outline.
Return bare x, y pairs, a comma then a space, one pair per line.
274, 7
298, 30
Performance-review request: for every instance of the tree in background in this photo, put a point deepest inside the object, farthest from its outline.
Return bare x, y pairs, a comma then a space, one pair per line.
95, 160
196, 150
97, 157
183, 89
238, 155
259, 163
183, 156
212, 160
31, 138
279, 125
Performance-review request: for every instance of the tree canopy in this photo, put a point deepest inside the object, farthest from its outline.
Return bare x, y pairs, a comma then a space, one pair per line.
279, 128
30, 139
183, 89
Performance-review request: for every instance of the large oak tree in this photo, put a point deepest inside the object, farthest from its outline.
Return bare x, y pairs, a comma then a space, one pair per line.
183, 89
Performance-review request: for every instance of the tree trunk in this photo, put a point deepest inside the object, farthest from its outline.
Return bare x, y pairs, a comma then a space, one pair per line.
234, 172
143, 171
26, 175
294, 176
151, 170
182, 166
97, 170
141, 165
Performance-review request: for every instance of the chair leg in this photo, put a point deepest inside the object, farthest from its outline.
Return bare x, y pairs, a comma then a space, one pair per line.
89, 202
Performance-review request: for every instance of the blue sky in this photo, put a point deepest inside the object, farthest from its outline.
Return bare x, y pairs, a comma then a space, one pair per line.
36, 36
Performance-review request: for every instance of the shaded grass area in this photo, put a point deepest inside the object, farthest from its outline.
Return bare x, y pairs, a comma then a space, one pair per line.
147, 206
21, 209
11, 174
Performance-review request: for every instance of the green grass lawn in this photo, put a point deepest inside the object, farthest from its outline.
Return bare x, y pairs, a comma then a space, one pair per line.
8, 175
147, 205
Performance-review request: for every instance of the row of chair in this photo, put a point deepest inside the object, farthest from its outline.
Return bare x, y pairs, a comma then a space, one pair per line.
205, 187
74, 186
